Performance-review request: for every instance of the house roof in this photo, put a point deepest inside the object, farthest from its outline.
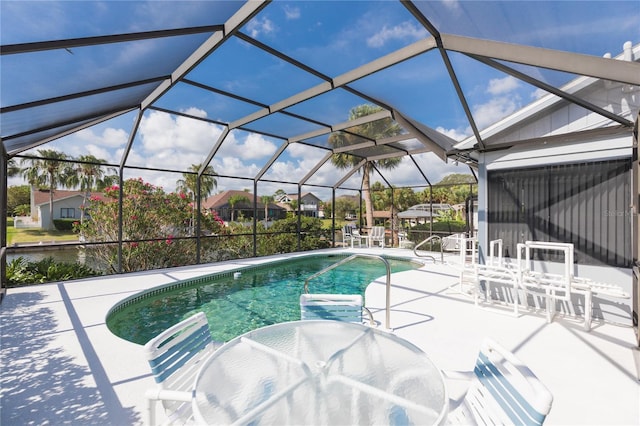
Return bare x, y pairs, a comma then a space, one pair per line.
382, 214
423, 211
42, 196
303, 195
222, 199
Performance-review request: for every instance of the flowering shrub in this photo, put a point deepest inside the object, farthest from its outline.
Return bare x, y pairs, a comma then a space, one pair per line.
154, 227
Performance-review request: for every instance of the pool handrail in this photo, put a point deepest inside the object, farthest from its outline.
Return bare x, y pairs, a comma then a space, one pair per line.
349, 259
436, 237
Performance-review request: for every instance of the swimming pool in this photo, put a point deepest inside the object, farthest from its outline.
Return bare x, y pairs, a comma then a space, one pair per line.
262, 295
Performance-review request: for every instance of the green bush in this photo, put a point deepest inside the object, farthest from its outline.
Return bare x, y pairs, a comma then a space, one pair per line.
64, 224
283, 236
21, 271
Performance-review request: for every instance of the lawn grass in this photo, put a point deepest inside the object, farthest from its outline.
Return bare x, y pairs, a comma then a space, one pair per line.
35, 235
326, 223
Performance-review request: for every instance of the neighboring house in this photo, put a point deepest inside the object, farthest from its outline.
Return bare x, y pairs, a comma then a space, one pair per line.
538, 182
219, 203
66, 205
309, 204
381, 217
351, 214
423, 213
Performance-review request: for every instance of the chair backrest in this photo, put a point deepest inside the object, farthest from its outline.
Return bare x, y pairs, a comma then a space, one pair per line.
338, 307
505, 391
175, 354
377, 231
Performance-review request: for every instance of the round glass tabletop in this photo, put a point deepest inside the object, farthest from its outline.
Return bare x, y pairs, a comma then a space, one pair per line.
319, 372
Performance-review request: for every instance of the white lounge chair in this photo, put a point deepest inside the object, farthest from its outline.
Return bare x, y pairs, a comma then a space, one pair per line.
468, 250
174, 357
488, 274
502, 391
552, 287
337, 307
376, 235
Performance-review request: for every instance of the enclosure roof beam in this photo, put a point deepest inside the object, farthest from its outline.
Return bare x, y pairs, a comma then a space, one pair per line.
575, 63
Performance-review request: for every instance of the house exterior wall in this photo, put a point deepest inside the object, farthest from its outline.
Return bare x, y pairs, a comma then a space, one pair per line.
71, 203
309, 205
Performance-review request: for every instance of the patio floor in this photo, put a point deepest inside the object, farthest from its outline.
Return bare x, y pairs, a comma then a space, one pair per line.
60, 363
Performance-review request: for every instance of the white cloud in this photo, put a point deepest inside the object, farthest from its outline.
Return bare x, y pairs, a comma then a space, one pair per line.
538, 93
233, 166
258, 26
109, 138
102, 153
282, 171
160, 131
291, 12
403, 31
495, 110
499, 86
505, 100
253, 147
298, 150
432, 166
454, 134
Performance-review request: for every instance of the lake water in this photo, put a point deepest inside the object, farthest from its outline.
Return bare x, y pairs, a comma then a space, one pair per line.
68, 255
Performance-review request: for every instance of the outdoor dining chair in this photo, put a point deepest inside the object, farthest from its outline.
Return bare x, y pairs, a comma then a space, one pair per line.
502, 391
376, 235
174, 357
351, 236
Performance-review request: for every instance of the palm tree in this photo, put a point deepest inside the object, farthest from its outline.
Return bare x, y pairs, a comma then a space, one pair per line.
50, 170
266, 200
13, 169
90, 175
374, 130
235, 199
189, 185
189, 182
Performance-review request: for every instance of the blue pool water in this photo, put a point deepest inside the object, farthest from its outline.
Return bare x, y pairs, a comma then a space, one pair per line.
262, 295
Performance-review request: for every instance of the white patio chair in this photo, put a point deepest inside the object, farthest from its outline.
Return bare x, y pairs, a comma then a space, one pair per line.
174, 357
502, 391
336, 307
376, 235
351, 236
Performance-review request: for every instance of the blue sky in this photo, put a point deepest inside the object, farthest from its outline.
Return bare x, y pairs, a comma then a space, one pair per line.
331, 36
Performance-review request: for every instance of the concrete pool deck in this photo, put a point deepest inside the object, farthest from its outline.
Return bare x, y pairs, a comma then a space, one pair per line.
60, 363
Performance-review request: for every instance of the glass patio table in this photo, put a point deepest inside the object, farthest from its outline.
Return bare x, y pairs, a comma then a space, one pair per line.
319, 372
